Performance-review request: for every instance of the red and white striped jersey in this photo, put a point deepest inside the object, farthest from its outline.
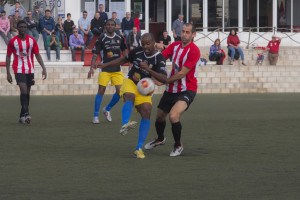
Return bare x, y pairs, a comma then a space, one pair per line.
187, 56
23, 51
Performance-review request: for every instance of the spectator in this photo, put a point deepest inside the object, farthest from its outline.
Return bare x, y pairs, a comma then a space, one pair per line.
17, 8
31, 26
69, 26
165, 40
134, 39
85, 28
127, 25
233, 42
215, 53
5, 27
37, 14
273, 48
118, 23
14, 24
52, 43
47, 25
177, 27
76, 43
59, 29
137, 22
97, 25
103, 15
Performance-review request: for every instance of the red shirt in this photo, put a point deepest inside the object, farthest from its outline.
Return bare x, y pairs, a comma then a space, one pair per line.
137, 24
23, 51
187, 56
274, 46
233, 39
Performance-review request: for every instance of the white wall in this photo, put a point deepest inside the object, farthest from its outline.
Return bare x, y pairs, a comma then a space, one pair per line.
73, 7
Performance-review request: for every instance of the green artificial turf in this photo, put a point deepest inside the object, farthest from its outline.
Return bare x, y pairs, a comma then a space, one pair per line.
241, 146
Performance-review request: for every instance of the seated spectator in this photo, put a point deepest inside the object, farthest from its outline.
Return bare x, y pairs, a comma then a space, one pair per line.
31, 26
233, 42
13, 24
37, 14
52, 43
59, 29
17, 8
69, 26
134, 39
273, 48
76, 43
118, 23
84, 25
165, 40
97, 24
216, 53
47, 25
5, 27
127, 25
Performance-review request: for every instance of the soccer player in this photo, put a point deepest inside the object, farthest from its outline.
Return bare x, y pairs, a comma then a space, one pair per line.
23, 47
181, 87
146, 55
109, 45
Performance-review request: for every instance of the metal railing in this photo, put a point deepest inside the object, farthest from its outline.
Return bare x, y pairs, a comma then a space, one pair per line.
251, 30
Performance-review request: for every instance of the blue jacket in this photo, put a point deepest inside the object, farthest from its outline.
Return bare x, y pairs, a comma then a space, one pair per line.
127, 25
49, 24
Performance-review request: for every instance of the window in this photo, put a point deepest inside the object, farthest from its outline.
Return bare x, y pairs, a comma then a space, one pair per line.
284, 15
231, 14
178, 7
139, 6
265, 15
215, 11
196, 13
250, 14
296, 16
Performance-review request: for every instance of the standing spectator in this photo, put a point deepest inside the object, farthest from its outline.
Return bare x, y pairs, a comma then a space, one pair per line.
52, 43
69, 26
177, 27
5, 27
59, 29
273, 48
134, 39
215, 53
76, 43
233, 42
47, 25
14, 24
85, 28
127, 25
165, 40
37, 14
117, 21
31, 26
97, 24
103, 15
137, 22
17, 8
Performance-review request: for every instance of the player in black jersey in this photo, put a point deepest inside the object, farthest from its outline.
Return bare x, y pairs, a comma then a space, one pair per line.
145, 55
109, 46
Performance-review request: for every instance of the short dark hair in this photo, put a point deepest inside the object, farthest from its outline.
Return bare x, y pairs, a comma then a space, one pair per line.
165, 31
111, 20
114, 13
36, 7
3, 11
84, 12
16, 11
53, 33
47, 10
21, 22
69, 14
101, 5
148, 35
17, 2
192, 25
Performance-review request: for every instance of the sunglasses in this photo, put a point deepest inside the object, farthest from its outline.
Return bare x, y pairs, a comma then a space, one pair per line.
75, 31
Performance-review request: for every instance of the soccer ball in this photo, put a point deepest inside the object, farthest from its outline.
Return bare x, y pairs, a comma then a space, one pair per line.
146, 86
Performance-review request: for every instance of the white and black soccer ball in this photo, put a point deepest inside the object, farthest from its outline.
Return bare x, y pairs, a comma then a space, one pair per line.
146, 86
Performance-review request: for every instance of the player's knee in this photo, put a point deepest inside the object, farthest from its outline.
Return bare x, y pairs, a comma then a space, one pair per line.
174, 117
129, 97
146, 113
101, 90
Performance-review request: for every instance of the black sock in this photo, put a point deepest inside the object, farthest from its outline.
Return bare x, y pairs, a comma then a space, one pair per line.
160, 128
24, 103
176, 130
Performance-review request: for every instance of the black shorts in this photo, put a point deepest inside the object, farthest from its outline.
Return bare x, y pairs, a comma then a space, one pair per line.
168, 99
25, 78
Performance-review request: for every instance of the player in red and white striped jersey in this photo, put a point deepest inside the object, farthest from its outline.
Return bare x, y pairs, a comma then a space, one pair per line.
23, 47
181, 87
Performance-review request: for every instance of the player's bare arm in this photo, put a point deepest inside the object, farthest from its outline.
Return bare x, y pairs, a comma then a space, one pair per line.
181, 74
9, 77
40, 61
113, 63
93, 66
159, 79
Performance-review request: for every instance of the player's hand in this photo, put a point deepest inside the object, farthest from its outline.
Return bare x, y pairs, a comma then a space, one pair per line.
157, 82
9, 78
100, 65
144, 66
44, 74
91, 73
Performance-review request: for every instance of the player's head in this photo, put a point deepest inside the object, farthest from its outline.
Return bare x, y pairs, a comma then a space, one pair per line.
148, 43
22, 27
188, 33
110, 26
